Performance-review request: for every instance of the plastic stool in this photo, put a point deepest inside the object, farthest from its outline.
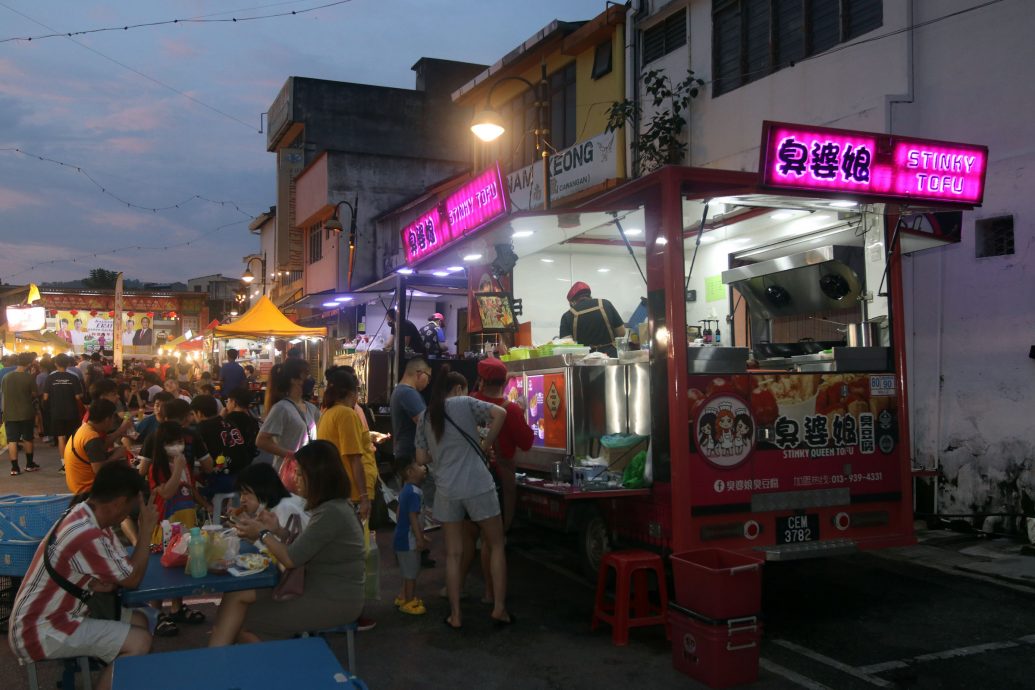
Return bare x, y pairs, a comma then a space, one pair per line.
350, 640
631, 570
221, 503
80, 665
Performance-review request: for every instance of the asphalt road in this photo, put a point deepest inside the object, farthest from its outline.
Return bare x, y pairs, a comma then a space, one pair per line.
859, 622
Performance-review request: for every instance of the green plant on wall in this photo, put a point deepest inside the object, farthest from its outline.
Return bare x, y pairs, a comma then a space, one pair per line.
659, 142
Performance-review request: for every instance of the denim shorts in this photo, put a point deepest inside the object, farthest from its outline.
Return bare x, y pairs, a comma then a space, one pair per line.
477, 508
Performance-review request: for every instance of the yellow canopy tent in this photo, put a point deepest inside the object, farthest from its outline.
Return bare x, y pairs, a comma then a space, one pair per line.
264, 320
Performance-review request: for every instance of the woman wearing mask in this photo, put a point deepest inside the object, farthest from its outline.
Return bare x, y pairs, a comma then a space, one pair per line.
290, 420
448, 437
330, 548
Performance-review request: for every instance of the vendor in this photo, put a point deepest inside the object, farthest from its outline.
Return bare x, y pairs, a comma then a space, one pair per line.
590, 321
433, 334
408, 333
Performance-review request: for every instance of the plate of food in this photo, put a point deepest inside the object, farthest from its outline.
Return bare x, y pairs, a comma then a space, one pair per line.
249, 564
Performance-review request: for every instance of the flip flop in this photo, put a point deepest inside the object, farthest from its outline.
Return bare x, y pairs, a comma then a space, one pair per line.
449, 625
499, 623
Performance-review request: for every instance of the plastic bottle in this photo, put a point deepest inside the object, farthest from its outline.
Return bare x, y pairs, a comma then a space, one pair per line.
372, 583
197, 565
718, 335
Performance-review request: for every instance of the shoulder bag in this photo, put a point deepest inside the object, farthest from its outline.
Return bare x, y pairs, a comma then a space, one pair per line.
292, 580
101, 605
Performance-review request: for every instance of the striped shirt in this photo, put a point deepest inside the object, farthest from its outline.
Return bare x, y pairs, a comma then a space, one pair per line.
82, 552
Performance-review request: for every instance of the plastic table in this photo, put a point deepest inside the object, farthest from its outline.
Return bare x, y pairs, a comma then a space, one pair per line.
304, 663
165, 583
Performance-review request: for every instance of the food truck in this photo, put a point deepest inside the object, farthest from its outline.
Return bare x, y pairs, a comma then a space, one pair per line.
769, 391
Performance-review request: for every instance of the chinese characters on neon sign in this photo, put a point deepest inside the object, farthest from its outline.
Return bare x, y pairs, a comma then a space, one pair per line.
468, 208
817, 158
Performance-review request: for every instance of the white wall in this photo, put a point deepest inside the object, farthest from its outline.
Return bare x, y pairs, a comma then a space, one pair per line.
542, 286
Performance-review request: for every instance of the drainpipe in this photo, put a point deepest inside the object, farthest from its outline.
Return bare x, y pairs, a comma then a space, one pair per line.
908, 96
632, 80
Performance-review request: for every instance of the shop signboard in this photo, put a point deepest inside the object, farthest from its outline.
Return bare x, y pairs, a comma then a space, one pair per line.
755, 434
829, 160
468, 208
575, 169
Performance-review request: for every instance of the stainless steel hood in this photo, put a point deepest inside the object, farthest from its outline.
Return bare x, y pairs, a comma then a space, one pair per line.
820, 279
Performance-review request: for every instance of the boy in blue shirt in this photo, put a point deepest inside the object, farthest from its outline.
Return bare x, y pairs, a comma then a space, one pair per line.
409, 538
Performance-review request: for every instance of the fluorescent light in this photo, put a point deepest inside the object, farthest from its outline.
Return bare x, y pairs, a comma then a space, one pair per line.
439, 274
631, 232
564, 280
405, 271
454, 269
330, 304
342, 299
522, 233
547, 261
603, 270
472, 257
295, 341
782, 215
661, 240
843, 204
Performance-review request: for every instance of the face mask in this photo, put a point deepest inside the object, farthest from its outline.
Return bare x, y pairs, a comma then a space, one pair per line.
174, 449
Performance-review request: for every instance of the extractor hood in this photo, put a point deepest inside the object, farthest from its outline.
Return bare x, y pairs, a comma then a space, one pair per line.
820, 279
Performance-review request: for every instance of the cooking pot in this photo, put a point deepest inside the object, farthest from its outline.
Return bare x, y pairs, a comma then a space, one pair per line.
865, 334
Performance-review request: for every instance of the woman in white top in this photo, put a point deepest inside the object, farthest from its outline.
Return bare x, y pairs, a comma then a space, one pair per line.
290, 420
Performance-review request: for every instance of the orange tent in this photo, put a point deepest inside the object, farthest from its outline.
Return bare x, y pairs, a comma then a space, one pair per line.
264, 320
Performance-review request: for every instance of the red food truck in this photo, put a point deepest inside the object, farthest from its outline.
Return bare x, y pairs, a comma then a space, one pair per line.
768, 391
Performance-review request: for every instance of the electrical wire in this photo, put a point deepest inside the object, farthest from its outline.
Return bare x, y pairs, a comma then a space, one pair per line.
119, 250
130, 204
199, 19
141, 74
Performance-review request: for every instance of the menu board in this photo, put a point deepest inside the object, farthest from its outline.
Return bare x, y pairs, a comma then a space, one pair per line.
545, 409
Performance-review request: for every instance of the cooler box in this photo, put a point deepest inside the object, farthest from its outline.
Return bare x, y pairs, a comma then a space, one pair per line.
718, 584
718, 654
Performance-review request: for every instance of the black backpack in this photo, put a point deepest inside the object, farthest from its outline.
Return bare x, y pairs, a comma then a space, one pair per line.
429, 334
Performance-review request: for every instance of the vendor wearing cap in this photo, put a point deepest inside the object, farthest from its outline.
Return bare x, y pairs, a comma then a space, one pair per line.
433, 334
590, 321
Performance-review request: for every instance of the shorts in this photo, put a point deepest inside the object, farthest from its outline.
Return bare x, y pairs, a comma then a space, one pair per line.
64, 427
93, 637
477, 508
20, 431
409, 564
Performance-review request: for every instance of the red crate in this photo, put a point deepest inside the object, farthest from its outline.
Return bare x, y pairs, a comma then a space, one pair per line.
717, 583
718, 655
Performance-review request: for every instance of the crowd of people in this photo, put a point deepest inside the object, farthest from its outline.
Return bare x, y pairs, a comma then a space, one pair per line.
305, 476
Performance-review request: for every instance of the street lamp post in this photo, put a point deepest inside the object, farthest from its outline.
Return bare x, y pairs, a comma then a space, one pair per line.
248, 277
334, 224
488, 126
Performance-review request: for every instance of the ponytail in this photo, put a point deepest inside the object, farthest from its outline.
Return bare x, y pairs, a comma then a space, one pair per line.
447, 380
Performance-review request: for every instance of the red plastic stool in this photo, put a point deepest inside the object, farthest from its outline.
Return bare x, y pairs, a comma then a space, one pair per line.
631, 570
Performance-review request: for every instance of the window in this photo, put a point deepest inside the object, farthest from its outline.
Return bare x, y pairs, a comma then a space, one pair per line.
663, 38
753, 38
197, 288
993, 236
315, 243
602, 60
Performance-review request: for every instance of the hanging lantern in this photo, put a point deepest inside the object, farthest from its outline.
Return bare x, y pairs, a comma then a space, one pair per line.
150, 314
111, 314
129, 313
73, 312
93, 312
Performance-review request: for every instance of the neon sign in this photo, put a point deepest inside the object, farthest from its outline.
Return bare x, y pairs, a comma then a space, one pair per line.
837, 160
471, 206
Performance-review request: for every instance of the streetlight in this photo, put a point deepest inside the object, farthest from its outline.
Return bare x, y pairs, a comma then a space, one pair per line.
248, 277
488, 125
334, 224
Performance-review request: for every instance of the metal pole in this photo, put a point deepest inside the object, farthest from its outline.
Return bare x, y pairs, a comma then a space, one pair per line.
542, 138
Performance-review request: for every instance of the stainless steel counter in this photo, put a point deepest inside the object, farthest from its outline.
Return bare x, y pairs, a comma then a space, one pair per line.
716, 360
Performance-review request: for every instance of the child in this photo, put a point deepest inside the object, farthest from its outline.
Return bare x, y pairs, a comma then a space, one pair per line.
261, 489
176, 500
409, 538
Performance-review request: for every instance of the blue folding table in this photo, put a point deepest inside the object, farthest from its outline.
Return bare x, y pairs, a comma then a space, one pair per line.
303, 663
165, 583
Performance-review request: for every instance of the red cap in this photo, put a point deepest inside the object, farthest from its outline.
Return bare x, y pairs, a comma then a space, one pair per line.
492, 369
576, 288
438, 316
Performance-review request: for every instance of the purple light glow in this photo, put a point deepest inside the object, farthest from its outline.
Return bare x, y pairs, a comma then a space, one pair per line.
834, 160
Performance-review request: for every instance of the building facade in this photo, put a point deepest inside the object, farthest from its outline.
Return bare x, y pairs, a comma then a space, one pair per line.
940, 70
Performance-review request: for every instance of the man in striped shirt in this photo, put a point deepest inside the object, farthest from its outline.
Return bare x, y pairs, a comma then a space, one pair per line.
46, 621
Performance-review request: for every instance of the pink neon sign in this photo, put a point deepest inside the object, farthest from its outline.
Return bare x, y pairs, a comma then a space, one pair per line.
837, 160
468, 208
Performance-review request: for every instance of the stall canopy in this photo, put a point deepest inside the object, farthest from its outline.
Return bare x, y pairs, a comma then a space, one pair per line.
265, 320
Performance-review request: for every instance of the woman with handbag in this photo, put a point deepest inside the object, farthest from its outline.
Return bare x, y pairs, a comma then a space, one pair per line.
329, 551
290, 421
447, 436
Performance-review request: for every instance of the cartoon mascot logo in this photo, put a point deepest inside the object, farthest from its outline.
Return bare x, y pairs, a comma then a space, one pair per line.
725, 431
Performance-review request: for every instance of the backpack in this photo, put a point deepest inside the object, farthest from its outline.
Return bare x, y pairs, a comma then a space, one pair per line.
429, 334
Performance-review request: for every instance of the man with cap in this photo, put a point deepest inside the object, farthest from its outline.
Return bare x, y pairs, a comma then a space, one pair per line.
593, 322
433, 335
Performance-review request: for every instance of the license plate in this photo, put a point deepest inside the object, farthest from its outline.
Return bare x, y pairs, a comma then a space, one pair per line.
796, 529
